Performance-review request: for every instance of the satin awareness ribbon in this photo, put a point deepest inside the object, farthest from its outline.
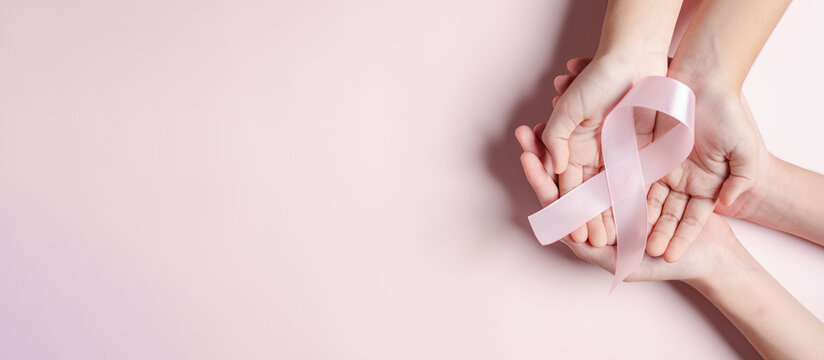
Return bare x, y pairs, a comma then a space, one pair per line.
628, 171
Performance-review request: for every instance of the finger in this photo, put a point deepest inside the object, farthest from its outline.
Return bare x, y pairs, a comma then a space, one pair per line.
539, 179
655, 203
562, 82
555, 100
542, 152
568, 180
538, 129
743, 172
529, 143
596, 231
609, 225
558, 150
562, 122
692, 223
576, 65
663, 230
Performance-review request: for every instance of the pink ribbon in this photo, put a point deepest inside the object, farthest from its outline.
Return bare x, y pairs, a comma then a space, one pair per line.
628, 171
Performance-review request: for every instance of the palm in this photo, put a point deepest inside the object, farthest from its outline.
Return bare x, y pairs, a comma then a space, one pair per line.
706, 168
681, 202
595, 90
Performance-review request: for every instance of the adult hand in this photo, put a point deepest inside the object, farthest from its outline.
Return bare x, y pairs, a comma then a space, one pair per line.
723, 164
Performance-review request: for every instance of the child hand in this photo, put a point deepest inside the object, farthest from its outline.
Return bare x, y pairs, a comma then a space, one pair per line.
573, 132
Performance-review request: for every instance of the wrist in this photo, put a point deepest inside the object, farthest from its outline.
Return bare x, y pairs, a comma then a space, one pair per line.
702, 64
632, 51
765, 186
638, 29
704, 77
731, 270
643, 63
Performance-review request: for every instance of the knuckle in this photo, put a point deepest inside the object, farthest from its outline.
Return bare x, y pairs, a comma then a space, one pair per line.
667, 216
678, 195
660, 234
691, 221
655, 202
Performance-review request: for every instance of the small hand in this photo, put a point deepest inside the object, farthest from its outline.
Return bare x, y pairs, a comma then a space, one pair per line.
573, 132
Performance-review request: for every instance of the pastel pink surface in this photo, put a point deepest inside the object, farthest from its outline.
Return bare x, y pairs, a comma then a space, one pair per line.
187, 179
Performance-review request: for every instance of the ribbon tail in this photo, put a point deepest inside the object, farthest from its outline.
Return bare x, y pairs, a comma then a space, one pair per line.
633, 243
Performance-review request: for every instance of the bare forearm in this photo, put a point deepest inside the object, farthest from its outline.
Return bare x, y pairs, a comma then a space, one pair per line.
724, 39
638, 26
774, 322
787, 198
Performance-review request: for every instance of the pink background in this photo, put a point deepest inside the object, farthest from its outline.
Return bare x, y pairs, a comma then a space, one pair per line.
338, 179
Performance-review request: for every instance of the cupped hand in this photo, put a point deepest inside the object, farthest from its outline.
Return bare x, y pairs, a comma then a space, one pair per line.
724, 162
573, 131
715, 250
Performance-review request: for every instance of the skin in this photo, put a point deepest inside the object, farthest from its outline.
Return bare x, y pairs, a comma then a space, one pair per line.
718, 266
786, 198
716, 53
714, 57
680, 204
634, 42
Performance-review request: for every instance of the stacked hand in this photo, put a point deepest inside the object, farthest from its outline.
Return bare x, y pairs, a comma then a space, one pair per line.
573, 133
724, 161
728, 163
716, 251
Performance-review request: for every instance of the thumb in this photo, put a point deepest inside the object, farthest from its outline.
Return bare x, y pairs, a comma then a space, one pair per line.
556, 135
743, 172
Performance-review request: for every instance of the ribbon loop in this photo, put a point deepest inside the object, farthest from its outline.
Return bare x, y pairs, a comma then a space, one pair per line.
622, 185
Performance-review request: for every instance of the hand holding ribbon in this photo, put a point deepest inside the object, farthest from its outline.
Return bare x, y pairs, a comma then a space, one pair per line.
628, 171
